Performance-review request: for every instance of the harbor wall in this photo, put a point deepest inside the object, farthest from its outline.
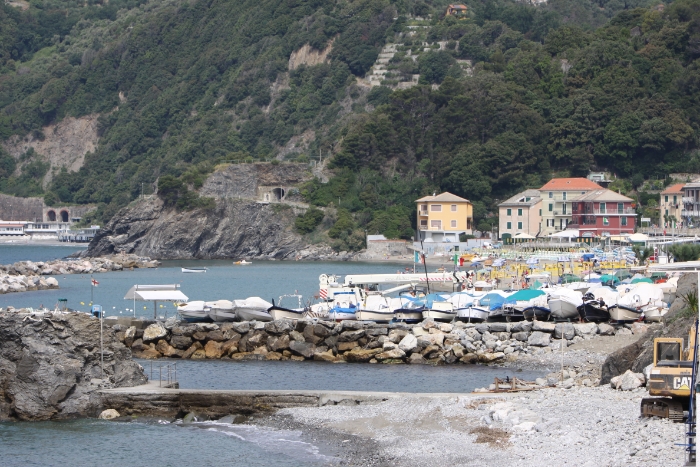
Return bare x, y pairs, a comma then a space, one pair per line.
359, 342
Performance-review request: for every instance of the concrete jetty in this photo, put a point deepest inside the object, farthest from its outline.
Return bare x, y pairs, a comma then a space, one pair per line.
152, 400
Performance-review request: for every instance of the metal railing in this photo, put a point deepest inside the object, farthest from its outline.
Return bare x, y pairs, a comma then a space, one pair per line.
170, 373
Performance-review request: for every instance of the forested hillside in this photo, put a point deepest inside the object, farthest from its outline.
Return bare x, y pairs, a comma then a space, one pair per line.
181, 86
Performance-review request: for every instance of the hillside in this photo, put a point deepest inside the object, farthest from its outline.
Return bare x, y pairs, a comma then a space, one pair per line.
482, 105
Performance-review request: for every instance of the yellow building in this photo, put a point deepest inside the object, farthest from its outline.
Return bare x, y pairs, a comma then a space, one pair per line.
441, 218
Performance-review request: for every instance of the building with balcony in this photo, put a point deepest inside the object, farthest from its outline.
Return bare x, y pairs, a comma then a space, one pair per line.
521, 213
441, 218
557, 197
690, 211
603, 213
671, 205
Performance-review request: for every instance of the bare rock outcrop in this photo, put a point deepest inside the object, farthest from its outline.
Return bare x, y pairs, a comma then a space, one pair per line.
50, 366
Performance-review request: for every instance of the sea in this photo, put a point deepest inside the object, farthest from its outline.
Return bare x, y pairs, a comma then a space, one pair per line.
164, 443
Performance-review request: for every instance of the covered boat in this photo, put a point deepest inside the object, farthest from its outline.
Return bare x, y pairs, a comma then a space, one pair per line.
464, 304
221, 310
439, 308
344, 306
193, 312
563, 303
253, 308
408, 308
514, 306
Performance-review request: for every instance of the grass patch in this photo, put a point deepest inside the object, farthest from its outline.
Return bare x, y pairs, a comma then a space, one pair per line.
494, 437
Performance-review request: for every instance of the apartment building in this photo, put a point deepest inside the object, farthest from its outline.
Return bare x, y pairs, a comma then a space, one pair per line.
557, 196
671, 205
521, 213
441, 218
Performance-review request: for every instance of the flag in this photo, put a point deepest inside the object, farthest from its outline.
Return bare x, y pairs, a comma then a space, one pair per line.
415, 257
422, 258
94, 282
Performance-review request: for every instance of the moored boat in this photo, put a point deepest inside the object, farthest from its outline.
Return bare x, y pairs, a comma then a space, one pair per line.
277, 311
242, 262
194, 270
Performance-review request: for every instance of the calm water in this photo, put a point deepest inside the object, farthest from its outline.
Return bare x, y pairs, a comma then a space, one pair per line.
217, 374
223, 280
10, 253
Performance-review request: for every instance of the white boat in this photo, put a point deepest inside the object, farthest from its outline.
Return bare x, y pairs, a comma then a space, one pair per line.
624, 314
483, 286
563, 303
252, 309
194, 311
221, 310
191, 270
242, 262
654, 313
407, 309
375, 307
466, 307
440, 310
277, 311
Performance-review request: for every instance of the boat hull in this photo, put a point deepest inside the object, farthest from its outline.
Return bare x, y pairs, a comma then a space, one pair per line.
538, 313
562, 309
623, 314
340, 315
285, 313
472, 314
408, 316
654, 314
377, 316
593, 313
253, 314
193, 270
195, 316
439, 315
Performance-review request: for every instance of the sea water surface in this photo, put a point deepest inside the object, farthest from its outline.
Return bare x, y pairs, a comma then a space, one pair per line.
154, 442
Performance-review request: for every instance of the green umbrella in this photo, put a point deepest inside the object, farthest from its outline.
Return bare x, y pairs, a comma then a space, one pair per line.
645, 280
605, 278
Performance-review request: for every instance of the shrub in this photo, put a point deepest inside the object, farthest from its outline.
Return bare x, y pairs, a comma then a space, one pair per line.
308, 221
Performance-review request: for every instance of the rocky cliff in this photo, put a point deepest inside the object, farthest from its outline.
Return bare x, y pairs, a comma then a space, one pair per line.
236, 228
50, 365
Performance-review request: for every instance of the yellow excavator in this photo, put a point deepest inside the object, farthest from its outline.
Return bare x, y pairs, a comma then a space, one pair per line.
671, 378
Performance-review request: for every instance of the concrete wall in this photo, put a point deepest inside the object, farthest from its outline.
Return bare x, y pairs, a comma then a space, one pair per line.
381, 248
21, 209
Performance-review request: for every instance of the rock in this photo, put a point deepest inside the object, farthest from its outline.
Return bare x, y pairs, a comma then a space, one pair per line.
541, 382
361, 355
482, 327
278, 343
639, 328
499, 327
304, 349
469, 358
129, 336
623, 332
419, 331
189, 418
417, 358
539, 339
564, 329
377, 332
391, 354
396, 335
242, 327
200, 336
350, 336
154, 332
138, 346
605, 329
167, 350
213, 349
388, 345
321, 331
309, 335
543, 326
351, 325
281, 326
193, 348
326, 356
109, 414
585, 329
628, 381
521, 336
180, 342
345, 346
171, 322
273, 356
491, 357
445, 327
568, 383
229, 347
297, 336
149, 353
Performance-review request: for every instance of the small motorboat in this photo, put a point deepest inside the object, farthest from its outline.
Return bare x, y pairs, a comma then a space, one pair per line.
277, 311
342, 311
221, 311
252, 309
538, 313
624, 314
194, 312
407, 308
563, 303
375, 307
242, 262
593, 310
438, 308
192, 270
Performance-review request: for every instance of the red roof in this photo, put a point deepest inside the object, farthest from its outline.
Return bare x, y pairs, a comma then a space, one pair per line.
563, 184
677, 188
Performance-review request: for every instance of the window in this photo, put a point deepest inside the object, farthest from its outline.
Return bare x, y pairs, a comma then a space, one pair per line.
520, 212
675, 200
620, 208
606, 221
453, 224
508, 212
666, 198
424, 223
436, 225
551, 195
623, 221
563, 196
666, 212
601, 206
527, 199
540, 212
453, 208
520, 226
436, 207
508, 225
551, 206
563, 209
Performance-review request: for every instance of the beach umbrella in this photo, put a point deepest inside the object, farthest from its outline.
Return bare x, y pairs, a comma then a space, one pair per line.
645, 280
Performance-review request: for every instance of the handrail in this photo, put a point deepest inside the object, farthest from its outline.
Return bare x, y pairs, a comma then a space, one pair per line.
170, 372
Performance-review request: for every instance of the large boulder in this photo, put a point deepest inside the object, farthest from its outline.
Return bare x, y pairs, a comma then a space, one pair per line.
280, 326
605, 329
565, 330
305, 349
408, 343
543, 326
585, 329
539, 339
361, 355
154, 332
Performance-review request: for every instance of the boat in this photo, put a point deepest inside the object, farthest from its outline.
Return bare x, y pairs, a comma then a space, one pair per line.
514, 306
344, 305
563, 303
253, 309
408, 309
438, 308
194, 312
466, 307
242, 262
191, 270
277, 311
654, 314
375, 307
221, 311
539, 313
624, 314
593, 310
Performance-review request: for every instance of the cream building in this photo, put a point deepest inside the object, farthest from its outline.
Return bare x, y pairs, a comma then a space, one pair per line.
671, 205
521, 213
441, 218
557, 195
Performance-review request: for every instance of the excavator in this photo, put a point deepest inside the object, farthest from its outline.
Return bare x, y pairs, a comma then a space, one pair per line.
671, 378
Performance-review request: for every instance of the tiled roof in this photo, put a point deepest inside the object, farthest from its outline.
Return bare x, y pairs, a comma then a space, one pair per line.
445, 197
675, 188
562, 184
534, 195
603, 195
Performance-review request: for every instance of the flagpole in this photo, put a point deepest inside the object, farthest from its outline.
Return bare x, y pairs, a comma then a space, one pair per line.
92, 287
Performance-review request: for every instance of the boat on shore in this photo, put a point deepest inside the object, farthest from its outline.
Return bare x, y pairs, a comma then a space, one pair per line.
252, 309
194, 312
194, 270
277, 311
538, 313
593, 310
375, 307
221, 311
624, 314
563, 303
438, 308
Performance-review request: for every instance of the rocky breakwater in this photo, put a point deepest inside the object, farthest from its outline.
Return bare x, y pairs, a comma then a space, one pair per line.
356, 342
24, 276
50, 366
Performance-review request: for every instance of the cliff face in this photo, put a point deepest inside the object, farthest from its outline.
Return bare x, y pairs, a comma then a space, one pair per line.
50, 365
236, 228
